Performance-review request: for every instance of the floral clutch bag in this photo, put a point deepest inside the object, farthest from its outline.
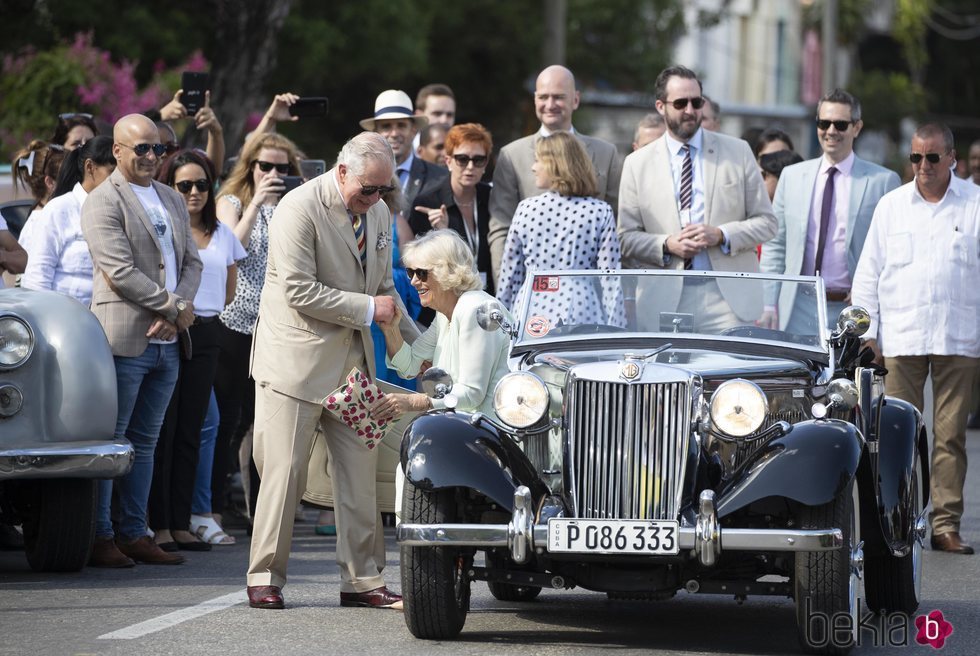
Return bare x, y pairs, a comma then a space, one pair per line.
351, 403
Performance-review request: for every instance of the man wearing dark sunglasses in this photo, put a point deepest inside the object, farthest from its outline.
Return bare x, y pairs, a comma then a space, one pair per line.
695, 200
328, 278
147, 270
823, 216
918, 279
555, 100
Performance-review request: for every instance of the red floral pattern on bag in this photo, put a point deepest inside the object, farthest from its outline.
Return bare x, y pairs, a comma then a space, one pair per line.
352, 403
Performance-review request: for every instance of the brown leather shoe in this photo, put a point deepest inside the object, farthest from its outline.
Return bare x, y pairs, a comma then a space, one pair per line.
378, 598
145, 550
265, 596
106, 554
951, 542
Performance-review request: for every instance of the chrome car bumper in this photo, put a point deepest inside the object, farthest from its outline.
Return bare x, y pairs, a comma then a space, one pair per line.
706, 538
67, 460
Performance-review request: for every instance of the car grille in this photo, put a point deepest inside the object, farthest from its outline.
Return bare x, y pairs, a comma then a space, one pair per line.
627, 448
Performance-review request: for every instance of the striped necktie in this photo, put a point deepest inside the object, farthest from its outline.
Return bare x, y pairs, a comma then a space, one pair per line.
687, 188
358, 222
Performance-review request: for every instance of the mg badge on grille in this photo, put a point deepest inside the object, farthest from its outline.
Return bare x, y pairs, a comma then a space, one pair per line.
630, 370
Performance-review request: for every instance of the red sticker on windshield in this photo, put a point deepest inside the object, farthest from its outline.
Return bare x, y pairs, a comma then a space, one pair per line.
538, 326
545, 283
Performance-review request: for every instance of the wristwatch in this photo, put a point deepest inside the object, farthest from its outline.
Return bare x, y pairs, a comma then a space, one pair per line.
181, 305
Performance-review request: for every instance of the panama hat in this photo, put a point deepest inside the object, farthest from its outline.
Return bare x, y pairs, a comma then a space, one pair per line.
393, 103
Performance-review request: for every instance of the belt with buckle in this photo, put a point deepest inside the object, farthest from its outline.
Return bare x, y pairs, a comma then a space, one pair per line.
838, 295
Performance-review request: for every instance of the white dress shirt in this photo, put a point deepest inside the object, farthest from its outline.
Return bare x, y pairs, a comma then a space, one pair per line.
919, 272
57, 253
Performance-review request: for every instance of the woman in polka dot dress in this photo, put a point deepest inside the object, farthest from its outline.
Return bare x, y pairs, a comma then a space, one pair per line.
564, 228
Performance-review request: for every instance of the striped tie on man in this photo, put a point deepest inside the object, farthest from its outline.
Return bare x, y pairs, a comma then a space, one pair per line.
687, 189
357, 221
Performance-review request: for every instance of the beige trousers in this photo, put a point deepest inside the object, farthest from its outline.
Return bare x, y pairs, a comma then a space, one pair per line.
952, 383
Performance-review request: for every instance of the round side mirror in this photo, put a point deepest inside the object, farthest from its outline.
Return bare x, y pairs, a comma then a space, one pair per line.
853, 321
436, 382
490, 316
842, 393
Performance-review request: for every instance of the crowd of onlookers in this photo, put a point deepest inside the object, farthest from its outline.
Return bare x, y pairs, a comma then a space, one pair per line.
687, 197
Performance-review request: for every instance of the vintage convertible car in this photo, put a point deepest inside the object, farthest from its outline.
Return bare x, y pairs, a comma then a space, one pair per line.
647, 441
57, 420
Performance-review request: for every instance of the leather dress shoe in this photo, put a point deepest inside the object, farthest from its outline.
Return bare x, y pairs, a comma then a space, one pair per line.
265, 596
145, 550
106, 554
378, 598
950, 542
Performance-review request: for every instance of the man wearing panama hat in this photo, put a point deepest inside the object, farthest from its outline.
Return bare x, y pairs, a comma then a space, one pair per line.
395, 120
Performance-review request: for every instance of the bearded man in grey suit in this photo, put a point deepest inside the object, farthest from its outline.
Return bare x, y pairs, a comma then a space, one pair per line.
694, 200
555, 98
806, 245
328, 278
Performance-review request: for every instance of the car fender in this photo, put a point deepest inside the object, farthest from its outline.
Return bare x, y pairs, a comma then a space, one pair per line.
446, 449
811, 464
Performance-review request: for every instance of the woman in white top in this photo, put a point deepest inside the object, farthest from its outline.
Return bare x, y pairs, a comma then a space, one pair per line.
178, 453
441, 267
36, 168
58, 255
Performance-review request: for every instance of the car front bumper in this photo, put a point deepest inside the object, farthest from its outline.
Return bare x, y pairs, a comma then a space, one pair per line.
707, 539
95, 459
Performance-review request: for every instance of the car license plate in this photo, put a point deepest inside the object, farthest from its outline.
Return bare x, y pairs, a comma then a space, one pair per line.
613, 536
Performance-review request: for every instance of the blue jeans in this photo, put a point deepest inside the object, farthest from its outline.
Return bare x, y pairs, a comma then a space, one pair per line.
144, 385
201, 502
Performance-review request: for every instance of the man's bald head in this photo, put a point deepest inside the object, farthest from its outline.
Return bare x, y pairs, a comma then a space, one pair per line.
555, 98
131, 132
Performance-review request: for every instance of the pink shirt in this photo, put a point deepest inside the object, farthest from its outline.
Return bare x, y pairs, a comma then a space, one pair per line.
834, 272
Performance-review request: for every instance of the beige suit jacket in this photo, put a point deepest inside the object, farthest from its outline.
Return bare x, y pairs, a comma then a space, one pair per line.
735, 197
316, 294
513, 181
128, 291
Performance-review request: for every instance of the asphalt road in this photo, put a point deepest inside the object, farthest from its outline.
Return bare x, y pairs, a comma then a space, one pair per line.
198, 608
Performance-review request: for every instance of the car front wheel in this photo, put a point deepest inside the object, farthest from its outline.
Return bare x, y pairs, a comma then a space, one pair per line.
827, 583
59, 523
435, 581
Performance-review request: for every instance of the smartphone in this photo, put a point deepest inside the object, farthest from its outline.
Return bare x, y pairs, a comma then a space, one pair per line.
194, 86
314, 106
310, 168
291, 182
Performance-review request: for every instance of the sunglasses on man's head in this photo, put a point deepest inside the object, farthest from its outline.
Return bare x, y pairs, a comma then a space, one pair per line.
824, 124
370, 190
265, 167
681, 103
479, 161
142, 149
184, 186
932, 158
71, 115
421, 274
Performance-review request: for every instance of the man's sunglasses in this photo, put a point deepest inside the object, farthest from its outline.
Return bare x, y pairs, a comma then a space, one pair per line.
824, 125
463, 161
932, 158
265, 167
681, 103
142, 149
370, 190
421, 274
172, 147
184, 186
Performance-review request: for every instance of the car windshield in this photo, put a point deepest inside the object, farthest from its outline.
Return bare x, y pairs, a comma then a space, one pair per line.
561, 305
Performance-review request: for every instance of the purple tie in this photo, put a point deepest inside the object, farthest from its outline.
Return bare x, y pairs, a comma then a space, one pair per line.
825, 211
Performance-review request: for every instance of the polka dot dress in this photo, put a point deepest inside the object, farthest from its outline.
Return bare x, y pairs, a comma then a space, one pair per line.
241, 313
551, 231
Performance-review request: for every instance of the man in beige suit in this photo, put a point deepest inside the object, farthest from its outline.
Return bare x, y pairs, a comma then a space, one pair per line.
146, 271
328, 278
555, 99
711, 223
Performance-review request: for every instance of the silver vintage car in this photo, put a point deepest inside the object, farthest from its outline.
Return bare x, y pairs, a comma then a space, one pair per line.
57, 420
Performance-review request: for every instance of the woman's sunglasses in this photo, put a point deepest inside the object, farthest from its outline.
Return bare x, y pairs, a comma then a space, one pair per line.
184, 186
265, 167
463, 161
421, 274
932, 158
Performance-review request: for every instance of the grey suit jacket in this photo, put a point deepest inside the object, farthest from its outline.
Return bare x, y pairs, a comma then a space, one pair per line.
735, 197
513, 181
794, 195
315, 297
128, 291
423, 178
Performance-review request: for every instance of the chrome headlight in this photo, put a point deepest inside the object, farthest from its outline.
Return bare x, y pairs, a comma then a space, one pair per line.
520, 399
738, 407
16, 342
